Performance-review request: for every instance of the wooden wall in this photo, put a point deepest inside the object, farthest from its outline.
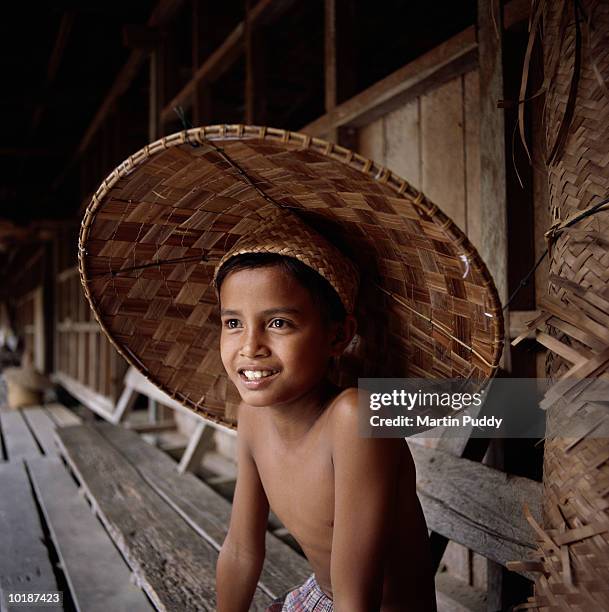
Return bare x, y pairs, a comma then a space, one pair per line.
433, 142
86, 363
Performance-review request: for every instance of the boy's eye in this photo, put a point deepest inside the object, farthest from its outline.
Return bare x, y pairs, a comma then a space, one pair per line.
232, 323
279, 323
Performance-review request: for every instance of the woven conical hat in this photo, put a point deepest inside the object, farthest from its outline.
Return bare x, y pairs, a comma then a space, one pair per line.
159, 224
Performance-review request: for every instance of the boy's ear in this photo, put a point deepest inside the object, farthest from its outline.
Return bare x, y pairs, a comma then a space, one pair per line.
343, 334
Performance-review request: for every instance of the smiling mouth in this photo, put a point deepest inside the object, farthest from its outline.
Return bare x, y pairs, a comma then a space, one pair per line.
252, 375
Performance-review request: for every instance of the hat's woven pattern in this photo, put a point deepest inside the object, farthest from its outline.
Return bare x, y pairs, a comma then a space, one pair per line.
160, 223
284, 234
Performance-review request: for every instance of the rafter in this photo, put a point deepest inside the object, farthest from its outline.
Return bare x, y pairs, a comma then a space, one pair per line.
226, 54
162, 13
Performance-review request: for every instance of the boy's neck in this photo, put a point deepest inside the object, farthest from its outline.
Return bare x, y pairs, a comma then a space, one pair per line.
294, 420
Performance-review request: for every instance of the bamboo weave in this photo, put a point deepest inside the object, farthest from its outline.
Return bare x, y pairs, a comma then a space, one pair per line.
573, 554
160, 223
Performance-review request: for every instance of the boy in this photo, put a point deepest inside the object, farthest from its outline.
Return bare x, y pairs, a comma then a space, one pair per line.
349, 501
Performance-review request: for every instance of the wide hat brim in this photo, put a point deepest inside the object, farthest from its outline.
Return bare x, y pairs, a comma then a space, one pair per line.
162, 220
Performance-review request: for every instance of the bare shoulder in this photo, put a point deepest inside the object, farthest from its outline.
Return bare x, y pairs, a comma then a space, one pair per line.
345, 419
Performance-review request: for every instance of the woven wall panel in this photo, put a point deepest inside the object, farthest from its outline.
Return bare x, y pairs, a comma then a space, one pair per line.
574, 541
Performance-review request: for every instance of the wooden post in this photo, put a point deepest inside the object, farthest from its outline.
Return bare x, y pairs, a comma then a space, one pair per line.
493, 200
201, 49
338, 63
255, 91
153, 96
493, 195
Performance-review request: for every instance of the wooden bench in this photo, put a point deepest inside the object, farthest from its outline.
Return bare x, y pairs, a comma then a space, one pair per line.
43, 516
156, 542
168, 526
135, 384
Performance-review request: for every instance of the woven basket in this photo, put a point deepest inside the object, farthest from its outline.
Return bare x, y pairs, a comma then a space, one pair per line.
574, 541
159, 224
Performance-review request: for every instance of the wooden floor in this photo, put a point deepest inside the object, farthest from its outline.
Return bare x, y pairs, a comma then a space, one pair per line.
94, 511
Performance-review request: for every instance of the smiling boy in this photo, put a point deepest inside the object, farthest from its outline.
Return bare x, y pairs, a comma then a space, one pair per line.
349, 501
175, 227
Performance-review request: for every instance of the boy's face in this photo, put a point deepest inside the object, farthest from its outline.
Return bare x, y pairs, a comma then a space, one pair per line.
274, 343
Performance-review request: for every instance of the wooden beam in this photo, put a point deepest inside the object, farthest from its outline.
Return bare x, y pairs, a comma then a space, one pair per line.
493, 182
329, 54
202, 27
339, 63
137, 381
455, 56
162, 13
516, 12
477, 506
226, 54
61, 40
255, 52
96, 402
200, 441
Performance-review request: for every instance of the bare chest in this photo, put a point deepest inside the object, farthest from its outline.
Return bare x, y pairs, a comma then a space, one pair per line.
299, 484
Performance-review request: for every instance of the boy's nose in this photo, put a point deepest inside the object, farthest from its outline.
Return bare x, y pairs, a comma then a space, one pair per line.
253, 346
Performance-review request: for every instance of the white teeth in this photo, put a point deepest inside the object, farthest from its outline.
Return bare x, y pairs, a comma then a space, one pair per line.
256, 374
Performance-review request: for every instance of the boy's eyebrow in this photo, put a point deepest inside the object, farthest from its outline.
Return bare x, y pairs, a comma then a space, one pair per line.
270, 311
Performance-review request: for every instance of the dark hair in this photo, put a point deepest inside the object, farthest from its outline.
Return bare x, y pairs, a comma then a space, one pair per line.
322, 292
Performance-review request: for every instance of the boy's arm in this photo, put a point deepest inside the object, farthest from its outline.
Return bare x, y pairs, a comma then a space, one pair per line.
365, 476
242, 554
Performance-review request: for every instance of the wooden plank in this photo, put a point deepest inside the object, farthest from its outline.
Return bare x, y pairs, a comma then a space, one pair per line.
62, 415
330, 71
94, 401
203, 24
255, 71
93, 342
39, 328
98, 577
402, 142
455, 56
161, 14
18, 440
102, 365
444, 62
125, 404
174, 568
442, 149
471, 107
493, 194
43, 427
168, 424
203, 509
200, 440
24, 562
226, 54
142, 385
371, 141
339, 61
477, 506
